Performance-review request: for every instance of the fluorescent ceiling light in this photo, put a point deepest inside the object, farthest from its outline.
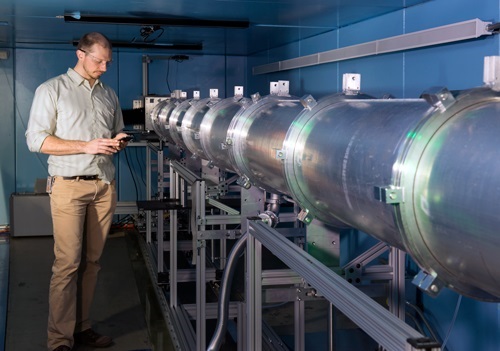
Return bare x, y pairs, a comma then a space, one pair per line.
163, 46
160, 21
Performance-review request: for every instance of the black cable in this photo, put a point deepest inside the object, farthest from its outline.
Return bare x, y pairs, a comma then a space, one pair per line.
146, 31
422, 317
132, 174
494, 27
143, 176
168, 71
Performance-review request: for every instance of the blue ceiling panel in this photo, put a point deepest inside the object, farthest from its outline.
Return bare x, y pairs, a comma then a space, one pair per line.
205, 23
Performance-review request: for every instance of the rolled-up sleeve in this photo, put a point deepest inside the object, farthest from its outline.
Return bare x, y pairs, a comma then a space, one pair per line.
43, 117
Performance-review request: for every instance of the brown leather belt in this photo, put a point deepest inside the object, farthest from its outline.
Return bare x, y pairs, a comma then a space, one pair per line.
82, 177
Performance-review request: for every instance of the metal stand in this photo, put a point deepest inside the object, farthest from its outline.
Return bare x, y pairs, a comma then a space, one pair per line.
384, 327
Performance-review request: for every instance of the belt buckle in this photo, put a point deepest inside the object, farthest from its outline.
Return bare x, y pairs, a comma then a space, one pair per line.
88, 177
82, 177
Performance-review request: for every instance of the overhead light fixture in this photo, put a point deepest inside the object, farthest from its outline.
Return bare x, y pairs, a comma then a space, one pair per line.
162, 46
160, 21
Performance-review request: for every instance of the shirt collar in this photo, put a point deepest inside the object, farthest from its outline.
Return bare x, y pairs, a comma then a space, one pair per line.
78, 79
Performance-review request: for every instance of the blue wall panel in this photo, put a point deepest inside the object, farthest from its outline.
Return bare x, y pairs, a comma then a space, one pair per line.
7, 118
129, 69
314, 79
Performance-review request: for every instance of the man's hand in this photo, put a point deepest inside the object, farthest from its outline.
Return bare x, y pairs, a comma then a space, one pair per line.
123, 143
103, 146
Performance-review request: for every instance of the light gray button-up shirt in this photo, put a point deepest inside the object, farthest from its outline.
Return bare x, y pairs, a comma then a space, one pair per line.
68, 108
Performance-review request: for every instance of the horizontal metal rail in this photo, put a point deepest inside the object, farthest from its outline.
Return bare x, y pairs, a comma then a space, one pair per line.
184, 172
470, 29
385, 328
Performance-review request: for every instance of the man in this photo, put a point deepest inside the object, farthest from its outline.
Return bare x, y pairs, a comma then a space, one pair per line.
77, 120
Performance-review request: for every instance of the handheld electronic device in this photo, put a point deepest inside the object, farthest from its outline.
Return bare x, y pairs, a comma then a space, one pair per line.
127, 138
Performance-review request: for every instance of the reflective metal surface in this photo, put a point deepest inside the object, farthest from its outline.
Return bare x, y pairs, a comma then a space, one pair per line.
175, 122
256, 135
340, 150
450, 176
191, 124
214, 127
160, 117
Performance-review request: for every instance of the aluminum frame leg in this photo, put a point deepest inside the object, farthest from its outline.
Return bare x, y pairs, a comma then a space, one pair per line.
254, 294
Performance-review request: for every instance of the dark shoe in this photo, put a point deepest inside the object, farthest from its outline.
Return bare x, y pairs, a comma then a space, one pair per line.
62, 348
91, 338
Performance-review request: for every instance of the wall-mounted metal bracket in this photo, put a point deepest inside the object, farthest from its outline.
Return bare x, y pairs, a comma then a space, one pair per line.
283, 87
214, 93
351, 83
238, 91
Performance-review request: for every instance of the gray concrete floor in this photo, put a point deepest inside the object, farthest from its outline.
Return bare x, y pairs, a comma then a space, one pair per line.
120, 302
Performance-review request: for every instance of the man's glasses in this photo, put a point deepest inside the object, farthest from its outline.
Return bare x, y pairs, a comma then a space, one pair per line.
96, 60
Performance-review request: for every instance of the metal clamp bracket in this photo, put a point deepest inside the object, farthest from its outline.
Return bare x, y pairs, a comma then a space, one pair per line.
389, 194
428, 283
308, 101
439, 97
305, 217
280, 154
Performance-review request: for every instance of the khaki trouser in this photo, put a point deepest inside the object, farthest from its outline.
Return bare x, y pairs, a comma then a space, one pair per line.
82, 213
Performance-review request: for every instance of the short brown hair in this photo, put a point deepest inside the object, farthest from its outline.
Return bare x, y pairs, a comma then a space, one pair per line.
92, 38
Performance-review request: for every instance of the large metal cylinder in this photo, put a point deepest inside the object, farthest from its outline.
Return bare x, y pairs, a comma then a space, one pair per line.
214, 127
191, 125
342, 147
175, 122
256, 135
160, 118
449, 174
